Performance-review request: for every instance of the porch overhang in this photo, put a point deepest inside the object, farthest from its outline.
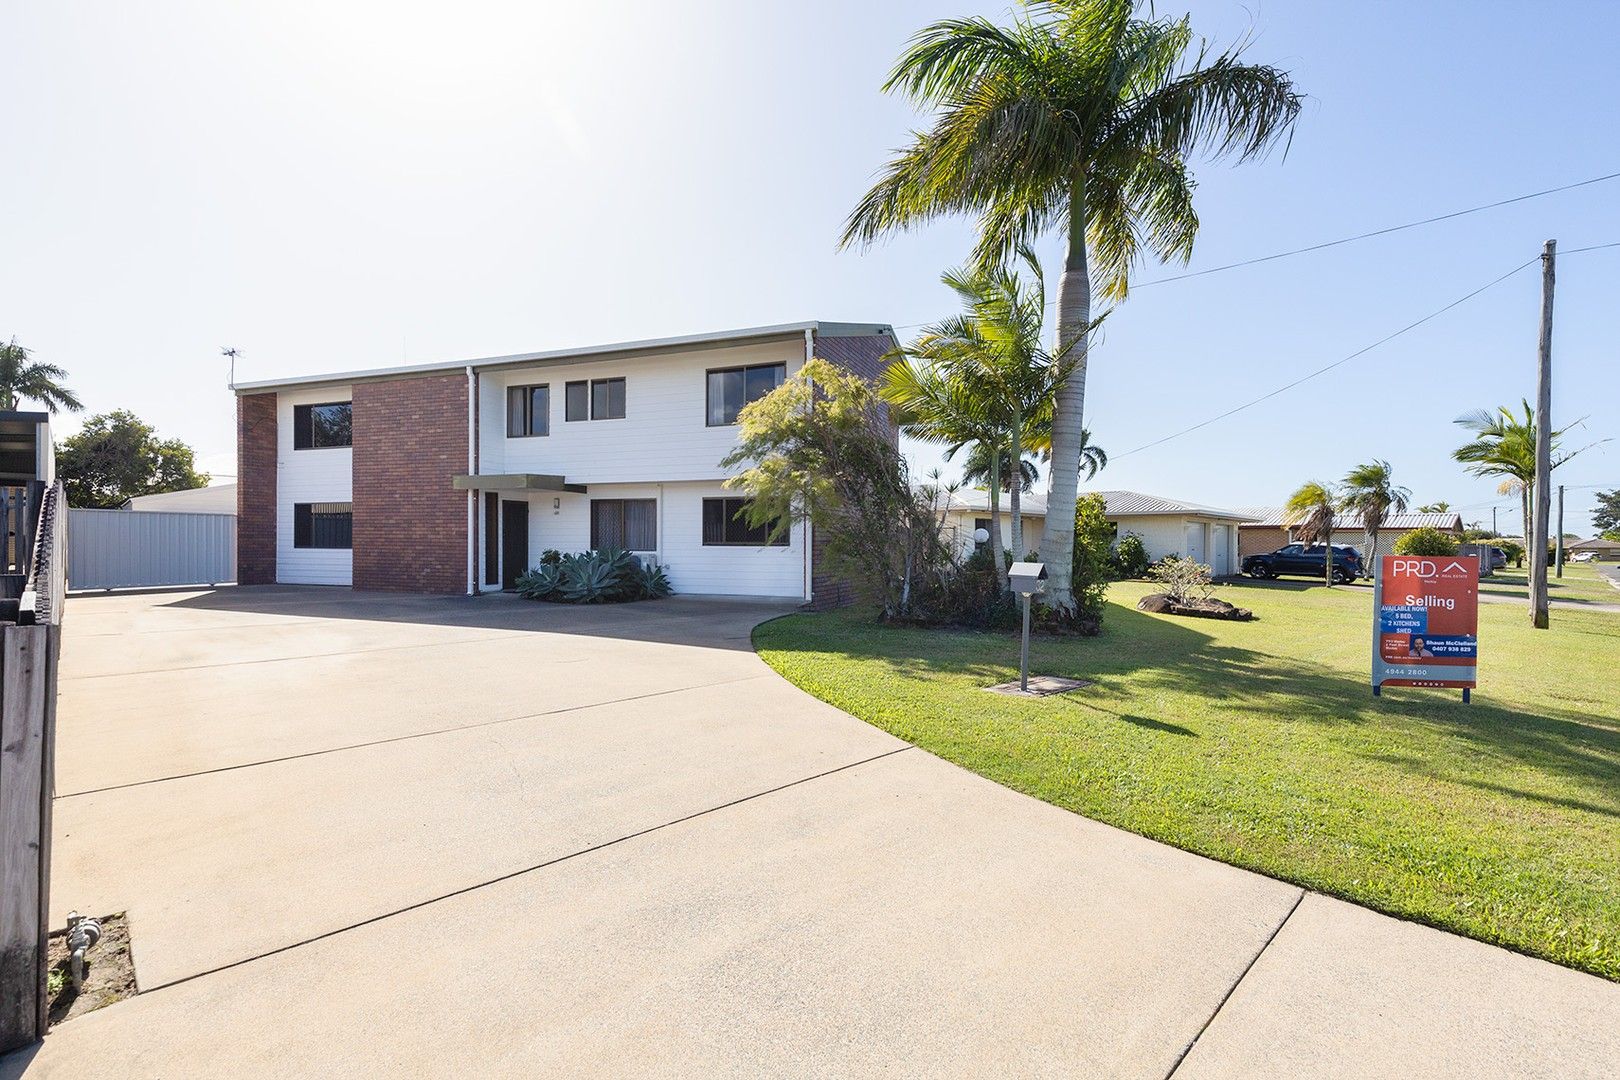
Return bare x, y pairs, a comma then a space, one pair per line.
515, 482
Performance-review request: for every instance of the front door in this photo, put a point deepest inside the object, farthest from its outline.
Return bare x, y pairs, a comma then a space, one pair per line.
514, 541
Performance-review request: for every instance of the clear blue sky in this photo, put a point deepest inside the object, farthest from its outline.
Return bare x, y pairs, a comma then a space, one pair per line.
341, 185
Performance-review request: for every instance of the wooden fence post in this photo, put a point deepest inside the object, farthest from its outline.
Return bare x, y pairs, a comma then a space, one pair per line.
27, 717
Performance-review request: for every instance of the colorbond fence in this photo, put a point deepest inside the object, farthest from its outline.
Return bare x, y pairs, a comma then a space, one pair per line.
126, 549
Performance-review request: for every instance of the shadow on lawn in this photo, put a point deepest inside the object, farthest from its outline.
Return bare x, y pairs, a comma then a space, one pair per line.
1155, 654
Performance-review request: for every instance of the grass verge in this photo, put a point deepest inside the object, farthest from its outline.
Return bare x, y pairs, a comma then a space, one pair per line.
1260, 744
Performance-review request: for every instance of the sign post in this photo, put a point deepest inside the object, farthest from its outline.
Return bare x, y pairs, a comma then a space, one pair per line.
1426, 622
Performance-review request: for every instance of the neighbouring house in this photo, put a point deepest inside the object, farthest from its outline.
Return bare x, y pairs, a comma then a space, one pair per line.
213, 499
455, 477
1167, 526
1607, 550
1268, 529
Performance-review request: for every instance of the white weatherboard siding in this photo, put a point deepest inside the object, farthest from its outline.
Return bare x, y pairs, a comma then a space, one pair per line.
309, 476
562, 521
664, 435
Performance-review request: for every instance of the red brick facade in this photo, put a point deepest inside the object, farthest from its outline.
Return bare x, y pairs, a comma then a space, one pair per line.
864, 356
256, 489
410, 525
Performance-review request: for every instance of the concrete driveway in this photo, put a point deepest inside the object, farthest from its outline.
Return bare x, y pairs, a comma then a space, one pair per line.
365, 835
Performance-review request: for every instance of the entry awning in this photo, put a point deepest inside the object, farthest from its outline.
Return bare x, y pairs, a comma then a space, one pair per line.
515, 482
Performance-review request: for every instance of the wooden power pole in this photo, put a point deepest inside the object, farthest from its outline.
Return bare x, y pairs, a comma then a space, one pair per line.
1542, 492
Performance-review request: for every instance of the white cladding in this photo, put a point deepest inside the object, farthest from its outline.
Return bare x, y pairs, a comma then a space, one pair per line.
664, 435
309, 476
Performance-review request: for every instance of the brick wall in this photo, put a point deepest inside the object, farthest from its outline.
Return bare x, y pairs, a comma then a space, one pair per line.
864, 356
256, 489
410, 525
1260, 539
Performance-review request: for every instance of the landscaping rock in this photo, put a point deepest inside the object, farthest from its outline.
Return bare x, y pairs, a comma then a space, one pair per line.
1161, 604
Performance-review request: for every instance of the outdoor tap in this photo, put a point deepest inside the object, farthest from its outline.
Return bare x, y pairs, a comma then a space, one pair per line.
82, 933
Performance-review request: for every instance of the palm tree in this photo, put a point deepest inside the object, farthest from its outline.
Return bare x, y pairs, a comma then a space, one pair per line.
992, 353
21, 377
1434, 508
1310, 512
1370, 491
929, 403
1505, 446
1077, 118
977, 468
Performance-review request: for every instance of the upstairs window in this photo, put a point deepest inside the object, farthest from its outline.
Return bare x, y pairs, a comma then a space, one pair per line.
732, 388
596, 399
317, 427
726, 525
323, 525
528, 411
629, 524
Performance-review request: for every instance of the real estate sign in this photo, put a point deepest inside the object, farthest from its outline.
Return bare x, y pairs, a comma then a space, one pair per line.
1426, 621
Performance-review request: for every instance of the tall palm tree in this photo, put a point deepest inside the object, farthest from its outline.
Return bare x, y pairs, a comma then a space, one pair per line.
1038, 439
22, 377
1077, 118
1310, 512
1370, 492
1505, 446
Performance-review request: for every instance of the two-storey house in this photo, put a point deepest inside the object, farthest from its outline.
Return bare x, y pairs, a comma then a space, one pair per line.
455, 477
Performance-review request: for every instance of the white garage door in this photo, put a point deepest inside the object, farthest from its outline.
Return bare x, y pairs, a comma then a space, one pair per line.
1195, 541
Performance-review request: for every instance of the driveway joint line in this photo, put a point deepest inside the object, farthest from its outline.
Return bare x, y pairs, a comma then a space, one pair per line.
406, 738
1230, 990
528, 870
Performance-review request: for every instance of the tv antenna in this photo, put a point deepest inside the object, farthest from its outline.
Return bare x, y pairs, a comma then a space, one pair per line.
231, 352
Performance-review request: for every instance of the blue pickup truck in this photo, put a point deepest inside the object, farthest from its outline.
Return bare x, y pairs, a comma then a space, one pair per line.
1305, 560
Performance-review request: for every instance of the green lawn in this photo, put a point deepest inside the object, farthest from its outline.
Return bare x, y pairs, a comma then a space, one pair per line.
1260, 744
1580, 583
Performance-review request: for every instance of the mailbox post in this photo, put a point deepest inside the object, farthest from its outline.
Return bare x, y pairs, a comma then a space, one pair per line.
1027, 579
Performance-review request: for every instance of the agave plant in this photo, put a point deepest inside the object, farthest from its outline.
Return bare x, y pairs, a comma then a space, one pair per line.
587, 579
651, 581
539, 583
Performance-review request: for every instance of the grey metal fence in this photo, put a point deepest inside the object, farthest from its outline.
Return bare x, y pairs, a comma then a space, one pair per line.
122, 549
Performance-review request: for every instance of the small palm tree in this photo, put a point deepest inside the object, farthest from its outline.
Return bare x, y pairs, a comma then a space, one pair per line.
1370, 492
1505, 446
977, 469
1078, 118
22, 377
1310, 512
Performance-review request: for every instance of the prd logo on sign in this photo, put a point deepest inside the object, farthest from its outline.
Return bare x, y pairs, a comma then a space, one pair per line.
1426, 622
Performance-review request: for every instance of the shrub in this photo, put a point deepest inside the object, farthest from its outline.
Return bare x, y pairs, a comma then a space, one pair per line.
594, 577
551, 557
1090, 567
1426, 542
1130, 558
1183, 579
1513, 551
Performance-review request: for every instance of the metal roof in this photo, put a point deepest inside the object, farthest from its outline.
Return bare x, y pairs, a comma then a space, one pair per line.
685, 341
1116, 504
1276, 517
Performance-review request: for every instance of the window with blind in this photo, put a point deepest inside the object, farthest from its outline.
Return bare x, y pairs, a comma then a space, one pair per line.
732, 388
725, 525
630, 524
528, 411
323, 525
318, 427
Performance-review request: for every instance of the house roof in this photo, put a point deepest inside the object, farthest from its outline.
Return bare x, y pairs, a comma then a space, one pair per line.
685, 341
1116, 504
213, 499
1275, 517
1597, 543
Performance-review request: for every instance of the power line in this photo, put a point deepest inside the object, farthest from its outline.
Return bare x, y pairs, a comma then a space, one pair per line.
1366, 236
1337, 363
